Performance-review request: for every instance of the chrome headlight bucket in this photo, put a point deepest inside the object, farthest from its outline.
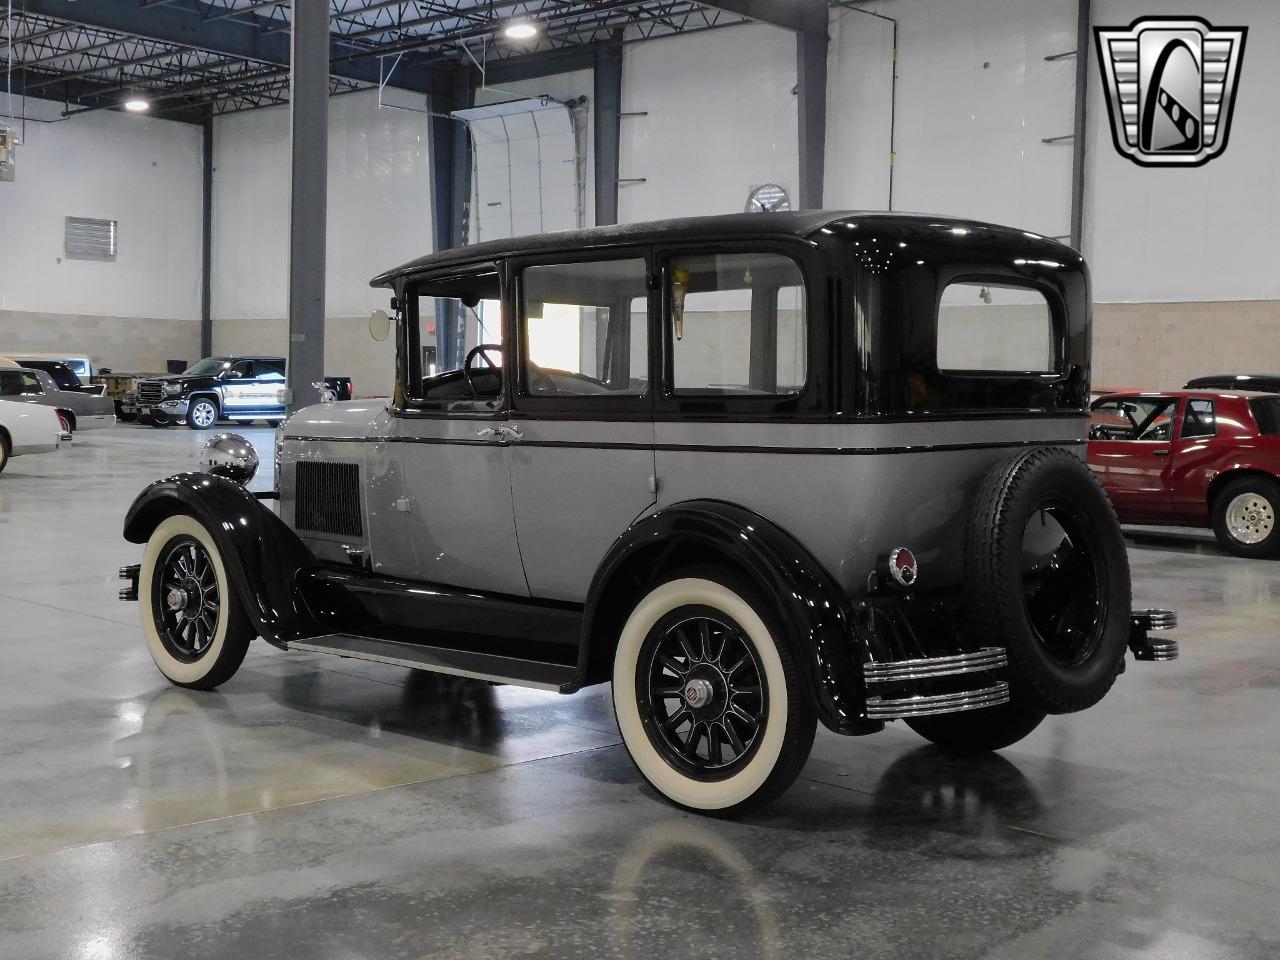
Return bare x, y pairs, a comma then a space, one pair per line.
231, 456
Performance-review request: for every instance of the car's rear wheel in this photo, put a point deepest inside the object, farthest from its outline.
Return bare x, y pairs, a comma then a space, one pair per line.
1048, 574
1246, 517
707, 694
202, 413
978, 731
196, 627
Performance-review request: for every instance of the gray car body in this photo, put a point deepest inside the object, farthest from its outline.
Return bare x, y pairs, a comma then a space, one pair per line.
91, 412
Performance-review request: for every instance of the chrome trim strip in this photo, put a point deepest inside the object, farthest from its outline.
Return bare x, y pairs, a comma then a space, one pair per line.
313, 646
925, 706
1156, 651
988, 658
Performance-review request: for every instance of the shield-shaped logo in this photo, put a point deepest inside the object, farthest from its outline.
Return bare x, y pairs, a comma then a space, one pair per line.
1171, 84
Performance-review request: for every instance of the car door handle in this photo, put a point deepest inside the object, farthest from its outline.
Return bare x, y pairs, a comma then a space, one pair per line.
1160, 453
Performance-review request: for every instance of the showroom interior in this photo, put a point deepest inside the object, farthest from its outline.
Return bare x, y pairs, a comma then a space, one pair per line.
288, 187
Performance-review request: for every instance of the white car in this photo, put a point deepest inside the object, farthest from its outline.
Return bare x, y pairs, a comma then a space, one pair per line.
28, 428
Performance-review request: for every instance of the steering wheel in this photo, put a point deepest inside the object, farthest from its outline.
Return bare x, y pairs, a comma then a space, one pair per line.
481, 351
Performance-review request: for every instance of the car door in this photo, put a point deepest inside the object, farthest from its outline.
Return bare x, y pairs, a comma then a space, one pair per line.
582, 453
1130, 442
440, 484
1194, 457
239, 387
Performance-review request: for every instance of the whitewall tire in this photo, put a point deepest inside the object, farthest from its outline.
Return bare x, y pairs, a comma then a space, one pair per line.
195, 625
707, 695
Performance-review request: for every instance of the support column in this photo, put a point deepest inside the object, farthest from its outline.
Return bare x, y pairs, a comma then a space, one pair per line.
1083, 41
450, 199
206, 279
607, 107
811, 114
309, 124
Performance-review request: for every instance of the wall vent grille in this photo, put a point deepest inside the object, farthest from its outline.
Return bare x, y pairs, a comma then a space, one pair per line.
328, 498
90, 239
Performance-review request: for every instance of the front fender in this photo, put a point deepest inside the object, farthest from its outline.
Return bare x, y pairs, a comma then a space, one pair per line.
819, 618
261, 554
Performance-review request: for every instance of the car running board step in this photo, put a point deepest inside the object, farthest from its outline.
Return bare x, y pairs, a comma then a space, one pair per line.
932, 704
459, 663
892, 671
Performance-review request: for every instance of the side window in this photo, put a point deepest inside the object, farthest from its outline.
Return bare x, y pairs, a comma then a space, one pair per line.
272, 370
1133, 418
1199, 420
995, 328
451, 319
10, 385
584, 328
241, 370
738, 325
31, 385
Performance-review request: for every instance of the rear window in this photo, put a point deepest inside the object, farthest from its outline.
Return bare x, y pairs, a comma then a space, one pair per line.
1266, 410
994, 328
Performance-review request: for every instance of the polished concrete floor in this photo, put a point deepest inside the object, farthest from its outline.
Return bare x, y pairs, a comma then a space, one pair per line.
319, 808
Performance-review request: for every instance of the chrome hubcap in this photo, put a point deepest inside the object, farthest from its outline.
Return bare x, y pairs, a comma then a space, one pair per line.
176, 599
1250, 518
699, 693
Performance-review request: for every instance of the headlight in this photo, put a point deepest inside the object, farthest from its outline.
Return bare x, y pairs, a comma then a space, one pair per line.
173, 389
231, 456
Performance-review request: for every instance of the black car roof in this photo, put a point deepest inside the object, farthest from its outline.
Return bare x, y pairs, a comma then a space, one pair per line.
789, 225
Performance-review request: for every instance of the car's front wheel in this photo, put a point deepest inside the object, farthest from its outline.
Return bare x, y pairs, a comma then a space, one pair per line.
195, 625
1245, 517
707, 694
202, 413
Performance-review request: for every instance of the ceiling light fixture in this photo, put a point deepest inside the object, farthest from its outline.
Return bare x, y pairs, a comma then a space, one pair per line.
521, 30
137, 105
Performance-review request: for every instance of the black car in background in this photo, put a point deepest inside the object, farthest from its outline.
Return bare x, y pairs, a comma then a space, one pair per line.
61, 374
1264, 382
219, 388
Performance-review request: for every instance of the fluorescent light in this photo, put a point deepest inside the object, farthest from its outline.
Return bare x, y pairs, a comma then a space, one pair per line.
137, 105
521, 30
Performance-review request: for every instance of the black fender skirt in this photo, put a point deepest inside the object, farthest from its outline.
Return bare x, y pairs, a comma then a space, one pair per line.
261, 554
827, 645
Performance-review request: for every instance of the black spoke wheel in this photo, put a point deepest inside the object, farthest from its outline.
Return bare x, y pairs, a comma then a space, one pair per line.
197, 628
1062, 586
185, 599
701, 691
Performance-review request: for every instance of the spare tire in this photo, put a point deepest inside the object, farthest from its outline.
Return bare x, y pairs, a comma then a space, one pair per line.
1048, 577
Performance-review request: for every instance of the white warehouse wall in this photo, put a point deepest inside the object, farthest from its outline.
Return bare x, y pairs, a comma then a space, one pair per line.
1184, 262
131, 314
721, 120
974, 99
379, 215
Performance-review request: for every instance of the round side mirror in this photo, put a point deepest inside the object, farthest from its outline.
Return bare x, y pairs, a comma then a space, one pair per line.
230, 456
379, 325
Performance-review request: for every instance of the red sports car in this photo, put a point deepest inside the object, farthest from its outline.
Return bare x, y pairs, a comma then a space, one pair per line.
1193, 457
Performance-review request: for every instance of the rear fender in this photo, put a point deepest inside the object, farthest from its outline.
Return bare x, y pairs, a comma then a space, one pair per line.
815, 613
261, 553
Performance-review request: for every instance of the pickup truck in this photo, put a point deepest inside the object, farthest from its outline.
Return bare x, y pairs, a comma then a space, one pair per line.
219, 388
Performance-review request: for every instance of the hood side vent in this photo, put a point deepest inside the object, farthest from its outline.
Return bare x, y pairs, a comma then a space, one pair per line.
328, 498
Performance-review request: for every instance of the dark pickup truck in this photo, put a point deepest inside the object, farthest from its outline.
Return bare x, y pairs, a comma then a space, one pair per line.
219, 388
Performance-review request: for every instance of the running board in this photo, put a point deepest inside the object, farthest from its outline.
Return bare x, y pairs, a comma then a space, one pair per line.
459, 663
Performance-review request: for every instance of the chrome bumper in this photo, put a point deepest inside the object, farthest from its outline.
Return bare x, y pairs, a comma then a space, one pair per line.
1149, 648
909, 673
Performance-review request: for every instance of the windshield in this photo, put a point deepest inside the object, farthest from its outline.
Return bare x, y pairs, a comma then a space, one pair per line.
208, 367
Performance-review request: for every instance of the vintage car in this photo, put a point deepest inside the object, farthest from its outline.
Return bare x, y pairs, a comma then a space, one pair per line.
1193, 458
81, 411
27, 428
759, 471
218, 388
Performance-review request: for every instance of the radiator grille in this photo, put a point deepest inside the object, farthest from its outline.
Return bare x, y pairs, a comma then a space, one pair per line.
150, 390
328, 498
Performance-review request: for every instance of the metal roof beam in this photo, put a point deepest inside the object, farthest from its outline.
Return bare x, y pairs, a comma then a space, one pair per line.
801, 16
232, 38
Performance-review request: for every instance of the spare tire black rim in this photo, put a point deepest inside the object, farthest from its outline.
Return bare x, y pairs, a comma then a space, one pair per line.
1063, 582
